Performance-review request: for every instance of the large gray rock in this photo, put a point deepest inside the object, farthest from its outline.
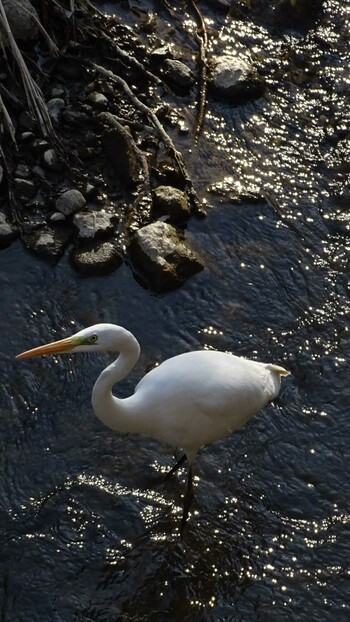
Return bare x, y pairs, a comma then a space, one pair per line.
162, 258
235, 79
70, 202
97, 260
91, 225
20, 17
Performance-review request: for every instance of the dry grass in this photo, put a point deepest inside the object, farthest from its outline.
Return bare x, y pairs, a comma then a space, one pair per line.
34, 96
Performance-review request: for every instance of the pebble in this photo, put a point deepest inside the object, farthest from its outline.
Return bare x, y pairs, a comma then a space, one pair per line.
98, 99
55, 107
52, 161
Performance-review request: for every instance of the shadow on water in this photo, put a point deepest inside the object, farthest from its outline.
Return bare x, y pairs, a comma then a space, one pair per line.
88, 531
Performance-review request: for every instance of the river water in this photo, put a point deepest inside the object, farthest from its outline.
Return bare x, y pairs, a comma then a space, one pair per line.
88, 530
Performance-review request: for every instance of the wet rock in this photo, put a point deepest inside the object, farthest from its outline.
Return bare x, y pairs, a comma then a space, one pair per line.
39, 172
160, 53
26, 137
75, 118
22, 170
237, 191
124, 154
91, 225
24, 188
98, 100
57, 91
177, 75
55, 107
52, 161
162, 257
171, 201
39, 146
57, 217
49, 242
70, 202
97, 260
235, 79
8, 232
20, 17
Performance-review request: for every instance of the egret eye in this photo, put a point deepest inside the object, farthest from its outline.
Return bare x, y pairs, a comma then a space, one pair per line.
93, 339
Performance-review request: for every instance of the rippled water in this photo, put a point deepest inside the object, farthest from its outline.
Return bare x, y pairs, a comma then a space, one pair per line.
88, 531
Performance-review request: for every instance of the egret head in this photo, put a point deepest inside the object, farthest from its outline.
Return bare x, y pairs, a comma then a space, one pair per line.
97, 338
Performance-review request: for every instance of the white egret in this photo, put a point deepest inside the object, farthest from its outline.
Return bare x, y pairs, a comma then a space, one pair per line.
188, 401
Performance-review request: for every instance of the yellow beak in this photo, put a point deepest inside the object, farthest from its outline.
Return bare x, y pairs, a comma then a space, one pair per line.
56, 347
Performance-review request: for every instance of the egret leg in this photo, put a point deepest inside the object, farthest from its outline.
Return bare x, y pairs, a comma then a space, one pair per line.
175, 467
188, 498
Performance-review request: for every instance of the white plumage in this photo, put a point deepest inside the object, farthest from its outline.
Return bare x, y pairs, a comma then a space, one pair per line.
188, 401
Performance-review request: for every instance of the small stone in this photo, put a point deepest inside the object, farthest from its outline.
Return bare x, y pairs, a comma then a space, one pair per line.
8, 232
235, 79
49, 242
98, 100
24, 188
55, 107
26, 137
39, 172
39, 146
161, 53
172, 201
90, 191
22, 170
70, 201
57, 91
162, 258
57, 217
97, 260
91, 225
183, 127
52, 161
177, 74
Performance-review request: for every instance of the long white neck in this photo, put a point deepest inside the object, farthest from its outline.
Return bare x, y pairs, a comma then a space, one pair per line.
114, 412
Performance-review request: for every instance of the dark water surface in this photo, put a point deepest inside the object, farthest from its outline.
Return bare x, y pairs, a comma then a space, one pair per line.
88, 532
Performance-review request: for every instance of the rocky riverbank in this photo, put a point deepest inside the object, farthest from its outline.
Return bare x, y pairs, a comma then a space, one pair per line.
88, 160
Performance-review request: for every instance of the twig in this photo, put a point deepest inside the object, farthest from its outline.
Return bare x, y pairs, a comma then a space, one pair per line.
156, 123
7, 120
35, 99
203, 46
113, 121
